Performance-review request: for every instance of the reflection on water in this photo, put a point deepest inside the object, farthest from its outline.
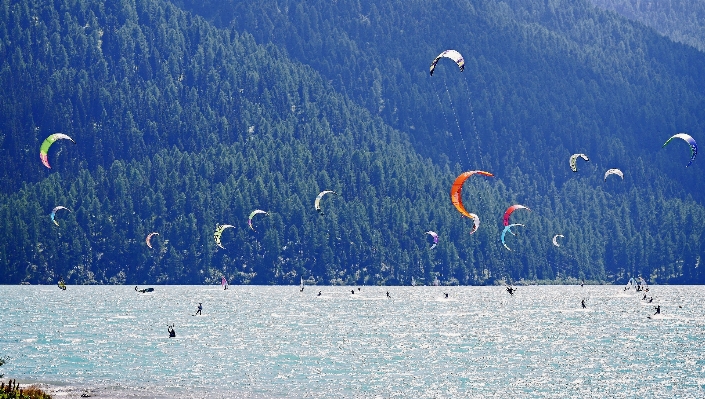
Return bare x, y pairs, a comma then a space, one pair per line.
277, 342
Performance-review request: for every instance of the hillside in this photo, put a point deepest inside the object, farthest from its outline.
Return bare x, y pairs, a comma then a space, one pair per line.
185, 121
681, 20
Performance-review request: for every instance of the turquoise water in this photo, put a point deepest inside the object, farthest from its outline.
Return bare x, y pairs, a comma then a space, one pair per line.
276, 342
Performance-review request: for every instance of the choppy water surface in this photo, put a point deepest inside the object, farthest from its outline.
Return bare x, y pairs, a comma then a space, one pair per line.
276, 342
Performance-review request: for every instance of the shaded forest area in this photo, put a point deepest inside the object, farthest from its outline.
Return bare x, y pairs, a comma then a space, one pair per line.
193, 114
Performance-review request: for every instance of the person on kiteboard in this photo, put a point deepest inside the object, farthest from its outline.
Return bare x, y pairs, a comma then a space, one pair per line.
172, 332
583, 304
200, 308
658, 309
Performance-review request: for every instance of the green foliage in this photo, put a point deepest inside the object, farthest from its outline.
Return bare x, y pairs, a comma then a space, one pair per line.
13, 391
181, 125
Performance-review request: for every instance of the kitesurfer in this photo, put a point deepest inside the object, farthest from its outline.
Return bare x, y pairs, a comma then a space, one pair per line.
658, 309
583, 304
352, 292
62, 284
644, 298
200, 308
511, 290
389, 296
319, 293
446, 294
172, 332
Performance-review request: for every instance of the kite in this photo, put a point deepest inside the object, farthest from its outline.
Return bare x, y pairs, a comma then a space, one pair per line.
614, 172
574, 161
44, 149
435, 238
53, 213
149, 239
688, 139
255, 212
555, 239
317, 202
508, 229
510, 210
453, 55
219, 232
456, 190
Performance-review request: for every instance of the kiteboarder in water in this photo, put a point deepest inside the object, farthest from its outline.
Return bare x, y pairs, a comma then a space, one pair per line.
319, 293
200, 308
389, 296
172, 332
583, 304
446, 294
511, 290
658, 309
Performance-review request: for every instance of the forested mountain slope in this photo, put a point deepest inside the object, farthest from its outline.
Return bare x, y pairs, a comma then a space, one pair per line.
181, 125
681, 20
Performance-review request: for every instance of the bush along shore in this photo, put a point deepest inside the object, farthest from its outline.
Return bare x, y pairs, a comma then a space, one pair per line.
12, 390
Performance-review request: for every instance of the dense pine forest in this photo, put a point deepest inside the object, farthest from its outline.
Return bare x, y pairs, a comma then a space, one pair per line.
192, 114
681, 20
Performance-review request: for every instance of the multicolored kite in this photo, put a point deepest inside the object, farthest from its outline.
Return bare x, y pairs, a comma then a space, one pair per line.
44, 149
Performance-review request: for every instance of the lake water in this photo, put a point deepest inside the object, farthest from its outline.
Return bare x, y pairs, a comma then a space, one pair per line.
276, 342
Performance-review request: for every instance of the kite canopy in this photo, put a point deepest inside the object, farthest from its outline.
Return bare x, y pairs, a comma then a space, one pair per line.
453, 55
435, 238
688, 139
53, 213
255, 212
614, 172
574, 161
148, 240
317, 202
44, 149
219, 232
456, 191
510, 210
555, 239
509, 229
